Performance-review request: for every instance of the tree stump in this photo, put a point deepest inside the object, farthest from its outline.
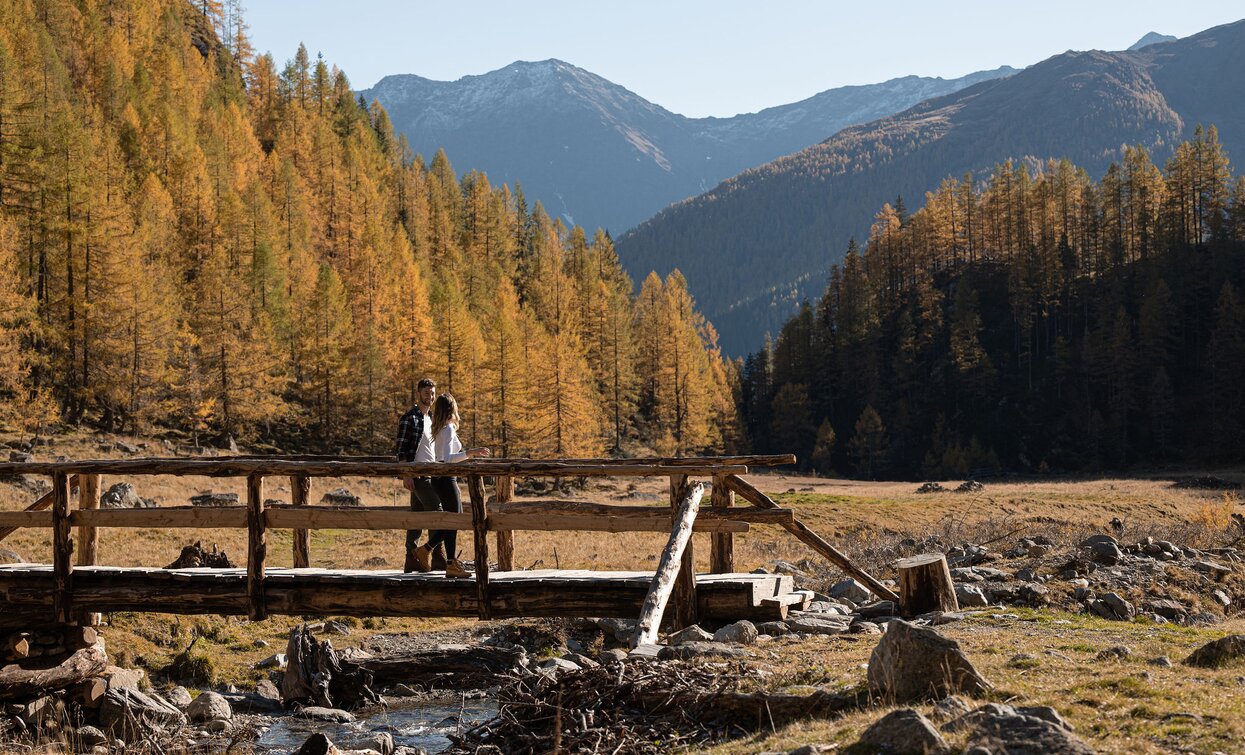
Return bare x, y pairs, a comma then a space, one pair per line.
925, 585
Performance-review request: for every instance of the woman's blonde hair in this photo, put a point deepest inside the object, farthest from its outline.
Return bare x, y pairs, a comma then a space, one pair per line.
444, 412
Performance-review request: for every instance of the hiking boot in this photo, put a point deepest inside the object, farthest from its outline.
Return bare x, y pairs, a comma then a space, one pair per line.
423, 559
454, 570
411, 564
438, 558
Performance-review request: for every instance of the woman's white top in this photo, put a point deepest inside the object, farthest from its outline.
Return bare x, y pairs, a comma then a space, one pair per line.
448, 446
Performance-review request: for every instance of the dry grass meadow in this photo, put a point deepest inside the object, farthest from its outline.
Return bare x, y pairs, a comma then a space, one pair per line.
1129, 705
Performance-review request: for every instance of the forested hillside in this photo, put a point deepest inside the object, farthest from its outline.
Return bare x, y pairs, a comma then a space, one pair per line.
1038, 321
195, 238
762, 241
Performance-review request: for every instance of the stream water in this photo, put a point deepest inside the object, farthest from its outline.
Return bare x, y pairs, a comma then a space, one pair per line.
416, 724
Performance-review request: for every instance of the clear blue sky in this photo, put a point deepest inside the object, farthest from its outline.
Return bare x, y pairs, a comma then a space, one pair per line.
714, 57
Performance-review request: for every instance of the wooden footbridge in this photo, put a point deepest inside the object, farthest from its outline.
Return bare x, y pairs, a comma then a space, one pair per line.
73, 588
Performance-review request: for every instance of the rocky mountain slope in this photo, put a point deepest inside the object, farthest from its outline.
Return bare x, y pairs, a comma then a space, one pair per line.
599, 155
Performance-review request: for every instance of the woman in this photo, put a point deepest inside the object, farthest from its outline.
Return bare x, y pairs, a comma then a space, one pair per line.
449, 449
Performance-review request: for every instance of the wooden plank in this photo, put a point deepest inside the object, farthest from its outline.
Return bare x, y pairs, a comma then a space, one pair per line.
278, 467
669, 566
257, 547
172, 517
722, 546
62, 550
300, 489
479, 519
812, 539
12, 521
363, 518
505, 538
43, 503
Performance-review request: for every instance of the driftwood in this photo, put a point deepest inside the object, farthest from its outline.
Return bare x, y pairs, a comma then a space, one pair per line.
32, 677
468, 667
639, 708
314, 675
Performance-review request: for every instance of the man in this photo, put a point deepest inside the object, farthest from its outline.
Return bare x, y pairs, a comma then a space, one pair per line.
415, 445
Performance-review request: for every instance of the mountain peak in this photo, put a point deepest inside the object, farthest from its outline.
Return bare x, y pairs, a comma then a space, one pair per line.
1153, 38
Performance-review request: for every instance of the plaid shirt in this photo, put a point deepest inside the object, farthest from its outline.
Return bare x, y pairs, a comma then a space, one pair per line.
413, 433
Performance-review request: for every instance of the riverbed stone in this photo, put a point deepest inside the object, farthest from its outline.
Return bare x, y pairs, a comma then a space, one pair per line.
903, 732
319, 713
209, 706
340, 497
128, 714
851, 590
817, 624
970, 596
691, 650
917, 663
90, 737
179, 696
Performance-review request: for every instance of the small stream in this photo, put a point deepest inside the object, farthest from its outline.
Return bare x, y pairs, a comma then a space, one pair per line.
423, 723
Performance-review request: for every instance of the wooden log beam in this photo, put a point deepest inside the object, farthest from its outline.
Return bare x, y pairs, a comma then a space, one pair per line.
479, 519
28, 681
362, 518
812, 539
172, 517
753, 460
268, 467
12, 521
668, 568
722, 547
505, 538
556, 506
684, 596
300, 489
43, 503
257, 547
925, 585
62, 550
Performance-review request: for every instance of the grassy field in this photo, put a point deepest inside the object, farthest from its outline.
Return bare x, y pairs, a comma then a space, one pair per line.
1118, 706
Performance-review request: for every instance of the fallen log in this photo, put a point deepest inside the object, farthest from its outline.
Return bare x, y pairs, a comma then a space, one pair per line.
32, 677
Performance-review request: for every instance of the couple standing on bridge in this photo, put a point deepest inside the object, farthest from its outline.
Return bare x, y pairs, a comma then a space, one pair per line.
428, 433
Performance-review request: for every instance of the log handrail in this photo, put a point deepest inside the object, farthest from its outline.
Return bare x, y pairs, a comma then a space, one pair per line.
347, 468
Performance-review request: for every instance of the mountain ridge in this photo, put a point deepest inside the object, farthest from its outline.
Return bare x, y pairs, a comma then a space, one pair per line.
788, 220
597, 153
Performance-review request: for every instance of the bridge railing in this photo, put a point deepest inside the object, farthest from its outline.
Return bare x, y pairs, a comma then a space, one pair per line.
501, 516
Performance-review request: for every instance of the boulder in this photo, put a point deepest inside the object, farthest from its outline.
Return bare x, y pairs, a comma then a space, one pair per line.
741, 633
689, 634
903, 732
318, 713
123, 496
1112, 606
125, 678
129, 715
817, 624
179, 696
970, 596
1221, 652
917, 663
89, 736
691, 650
209, 706
10, 557
949, 708
773, 628
1024, 735
852, 590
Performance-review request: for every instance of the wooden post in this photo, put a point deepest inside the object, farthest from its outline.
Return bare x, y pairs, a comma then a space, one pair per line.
300, 488
669, 568
925, 585
88, 499
62, 550
685, 613
722, 550
812, 539
479, 526
505, 539
257, 547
